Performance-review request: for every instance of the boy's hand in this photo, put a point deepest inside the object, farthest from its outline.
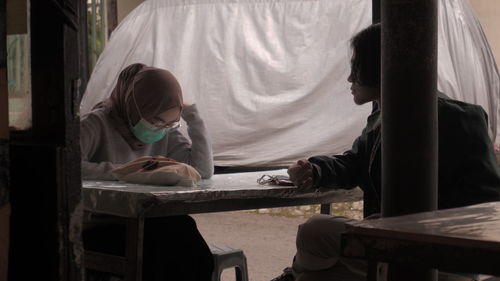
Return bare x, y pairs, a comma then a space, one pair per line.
301, 174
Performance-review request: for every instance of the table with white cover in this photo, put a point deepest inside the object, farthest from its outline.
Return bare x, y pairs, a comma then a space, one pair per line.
133, 203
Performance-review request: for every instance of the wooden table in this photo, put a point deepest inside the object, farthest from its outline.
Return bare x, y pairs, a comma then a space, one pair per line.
225, 192
461, 239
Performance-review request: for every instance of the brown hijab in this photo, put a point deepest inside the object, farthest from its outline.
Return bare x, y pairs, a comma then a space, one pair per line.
155, 91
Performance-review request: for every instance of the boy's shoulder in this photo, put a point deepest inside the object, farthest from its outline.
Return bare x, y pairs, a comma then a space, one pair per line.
456, 109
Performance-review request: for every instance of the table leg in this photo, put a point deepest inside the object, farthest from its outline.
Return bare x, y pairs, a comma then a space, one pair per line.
326, 209
134, 249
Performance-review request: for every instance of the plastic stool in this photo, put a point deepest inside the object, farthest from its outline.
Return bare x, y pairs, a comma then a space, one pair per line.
226, 257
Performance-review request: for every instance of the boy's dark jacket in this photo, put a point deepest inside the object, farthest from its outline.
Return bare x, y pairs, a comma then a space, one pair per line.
468, 171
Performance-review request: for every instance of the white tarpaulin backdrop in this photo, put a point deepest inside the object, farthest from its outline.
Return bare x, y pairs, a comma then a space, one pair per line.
270, 76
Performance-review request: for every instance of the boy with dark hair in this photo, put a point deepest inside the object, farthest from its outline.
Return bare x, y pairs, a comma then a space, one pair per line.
468, 172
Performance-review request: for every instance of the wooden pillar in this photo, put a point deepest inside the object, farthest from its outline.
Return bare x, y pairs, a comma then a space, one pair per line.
45, 181
409, 114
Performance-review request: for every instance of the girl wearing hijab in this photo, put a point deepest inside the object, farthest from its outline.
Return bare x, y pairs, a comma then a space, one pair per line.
140, 118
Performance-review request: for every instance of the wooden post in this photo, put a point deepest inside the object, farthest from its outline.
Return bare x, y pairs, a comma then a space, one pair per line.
409, 114
47, 212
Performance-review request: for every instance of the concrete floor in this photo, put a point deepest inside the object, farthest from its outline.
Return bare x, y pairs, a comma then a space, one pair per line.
267, 241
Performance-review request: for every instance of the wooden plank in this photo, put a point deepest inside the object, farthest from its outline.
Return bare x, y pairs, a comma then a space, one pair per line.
476, 225
461, 239
447, 257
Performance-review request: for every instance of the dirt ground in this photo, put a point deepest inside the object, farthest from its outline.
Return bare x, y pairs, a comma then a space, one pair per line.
267, 236
268, 241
